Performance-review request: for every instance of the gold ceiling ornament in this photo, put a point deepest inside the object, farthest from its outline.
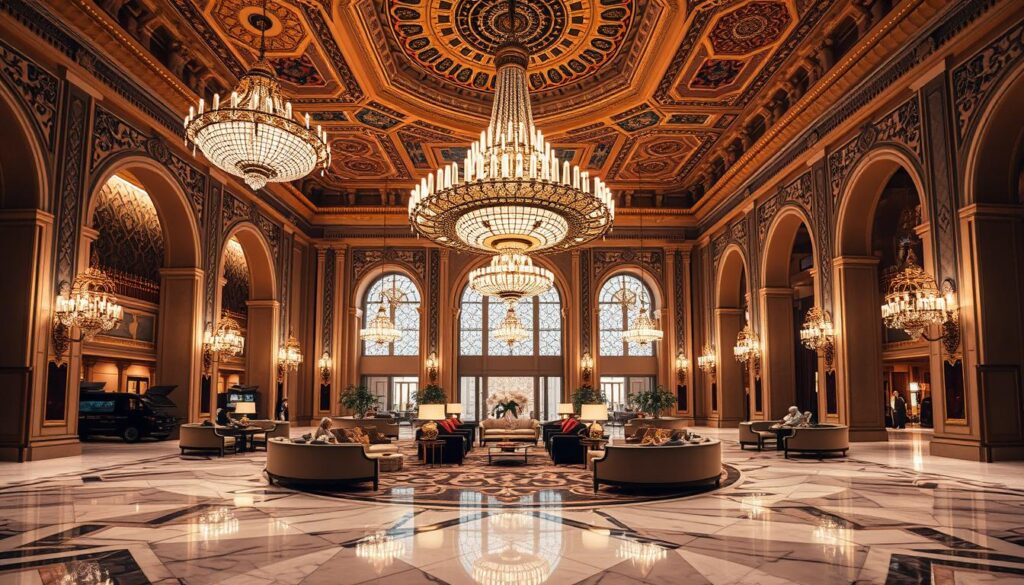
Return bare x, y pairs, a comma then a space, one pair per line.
511, 566
226, 338
511, 329
511, 193
748, 349
511, 276
817, 334
88, 304
914, 302
707, 361
254, 134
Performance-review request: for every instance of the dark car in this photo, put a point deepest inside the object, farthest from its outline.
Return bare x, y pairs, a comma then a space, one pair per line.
126, 415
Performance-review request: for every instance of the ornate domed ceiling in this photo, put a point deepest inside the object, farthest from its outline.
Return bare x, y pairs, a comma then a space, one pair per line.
653, 95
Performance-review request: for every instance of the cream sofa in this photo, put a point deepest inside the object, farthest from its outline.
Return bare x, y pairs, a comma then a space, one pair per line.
386, 426
757, 432
659, 467
818, 439
197, 437
320, 464
517, 429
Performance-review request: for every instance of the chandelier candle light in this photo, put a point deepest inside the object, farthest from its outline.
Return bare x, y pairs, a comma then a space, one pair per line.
511, 329
817, 334
748, 348
706, 361
226, 339
914, 302
254, 133
90, 305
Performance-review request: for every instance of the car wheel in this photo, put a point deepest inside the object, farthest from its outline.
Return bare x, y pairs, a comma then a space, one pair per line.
130, 434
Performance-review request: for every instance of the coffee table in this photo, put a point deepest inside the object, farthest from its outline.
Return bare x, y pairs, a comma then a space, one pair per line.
507, 451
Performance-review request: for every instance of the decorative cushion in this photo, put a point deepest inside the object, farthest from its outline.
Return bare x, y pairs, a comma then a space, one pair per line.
656, 437
378, 438
341, 435
569, 424
357, 435
449, 424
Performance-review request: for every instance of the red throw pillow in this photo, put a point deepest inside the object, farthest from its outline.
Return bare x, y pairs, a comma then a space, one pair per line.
569, 424
449, 425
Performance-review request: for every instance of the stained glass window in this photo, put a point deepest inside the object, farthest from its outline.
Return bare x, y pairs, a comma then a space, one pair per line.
618, 304
541, 315
402, 299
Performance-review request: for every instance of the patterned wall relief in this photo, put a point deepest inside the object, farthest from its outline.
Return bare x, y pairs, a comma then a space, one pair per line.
327, 302
211, 253
70, 185
798, 192
901, 127
605, 260
236, 210
130, 245
943, 190
284, 283
735, 233
434, 320
587, 299
36, 87
236, 279
366, 259
681, 292
974, 80
823, 227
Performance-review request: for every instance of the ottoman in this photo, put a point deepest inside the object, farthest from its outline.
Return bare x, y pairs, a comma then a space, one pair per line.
391, 461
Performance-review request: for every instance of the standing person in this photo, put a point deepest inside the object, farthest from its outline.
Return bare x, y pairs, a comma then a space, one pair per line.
899, 411
282, 409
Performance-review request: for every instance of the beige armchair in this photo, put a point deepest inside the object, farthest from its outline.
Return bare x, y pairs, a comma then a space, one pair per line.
819, 439
274, 428
757, 433
384, 426
320, 464
659, 467
197, 437
518, 429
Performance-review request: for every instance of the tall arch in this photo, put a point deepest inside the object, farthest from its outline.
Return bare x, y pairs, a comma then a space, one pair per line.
730, 399
779, 323
991, 286
262, 333
26, 234
857, 318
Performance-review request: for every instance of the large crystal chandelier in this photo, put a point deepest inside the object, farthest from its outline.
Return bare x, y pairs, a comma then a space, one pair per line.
89, 304
510, 277
512, 195
226, 338
254, 135
511, 329
913, 301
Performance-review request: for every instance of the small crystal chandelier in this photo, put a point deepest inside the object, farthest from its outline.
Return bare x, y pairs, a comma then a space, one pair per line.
748, 348
511, 193
289, 355
226, 338
707, 361
643, 329
816, 334
255, 134
913, 301
89, 304
511, 329
511, 276
381, 330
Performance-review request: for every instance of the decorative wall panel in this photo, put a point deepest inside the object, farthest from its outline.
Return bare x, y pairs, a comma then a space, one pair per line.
36, 87
365, 259
70, 185
130, 241
974, 80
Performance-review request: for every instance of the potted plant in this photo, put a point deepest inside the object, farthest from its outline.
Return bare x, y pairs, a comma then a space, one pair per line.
507, 404
358, 399
431, 394
654, 400
587, 394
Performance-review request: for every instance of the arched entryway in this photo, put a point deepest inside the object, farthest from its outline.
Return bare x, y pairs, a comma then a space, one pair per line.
787, 294
731, 400
258, 366
158, 278
887, 178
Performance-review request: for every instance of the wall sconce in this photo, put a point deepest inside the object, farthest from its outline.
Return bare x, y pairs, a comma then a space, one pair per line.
432, 365
682, 366
325, 368
88, 304
748, 350
289, 356
817, 334
913, 303
587, 366
707, 361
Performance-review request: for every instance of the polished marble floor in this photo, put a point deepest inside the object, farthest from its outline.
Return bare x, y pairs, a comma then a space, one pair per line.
889, 513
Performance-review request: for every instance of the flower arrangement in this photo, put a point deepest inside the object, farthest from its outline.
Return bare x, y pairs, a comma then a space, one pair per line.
509, 403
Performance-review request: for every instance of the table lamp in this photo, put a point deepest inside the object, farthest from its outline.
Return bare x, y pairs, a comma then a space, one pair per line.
454, 409
595, 413
565, 409
245, 409
430, 413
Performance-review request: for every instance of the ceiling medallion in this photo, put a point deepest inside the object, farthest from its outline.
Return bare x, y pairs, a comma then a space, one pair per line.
254, 135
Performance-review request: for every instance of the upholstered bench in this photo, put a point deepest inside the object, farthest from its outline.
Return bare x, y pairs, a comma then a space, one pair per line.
819, 440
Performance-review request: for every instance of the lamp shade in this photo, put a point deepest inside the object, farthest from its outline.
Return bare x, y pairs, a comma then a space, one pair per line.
595, 412
454, 408
245, 408
431, 412
564, 408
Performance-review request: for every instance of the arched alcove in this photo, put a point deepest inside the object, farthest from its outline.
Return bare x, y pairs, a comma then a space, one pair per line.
731, 398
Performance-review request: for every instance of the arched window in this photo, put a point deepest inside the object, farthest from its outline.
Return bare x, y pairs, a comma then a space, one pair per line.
542, 315
402, 298
618, 304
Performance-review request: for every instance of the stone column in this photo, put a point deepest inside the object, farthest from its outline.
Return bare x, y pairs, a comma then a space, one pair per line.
261, 352
778, 361
180, 338
731, 374
857, 322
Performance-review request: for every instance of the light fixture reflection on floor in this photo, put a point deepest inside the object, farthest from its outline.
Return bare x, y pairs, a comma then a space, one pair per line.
85, 573
511, 567
380, 550
216, 523
642, 555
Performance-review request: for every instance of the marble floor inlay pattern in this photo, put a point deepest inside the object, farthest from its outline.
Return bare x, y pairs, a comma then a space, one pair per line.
889, 513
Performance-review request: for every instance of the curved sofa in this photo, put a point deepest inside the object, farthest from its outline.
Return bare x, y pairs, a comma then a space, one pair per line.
659, 467
820, 439
385, 426
320, 464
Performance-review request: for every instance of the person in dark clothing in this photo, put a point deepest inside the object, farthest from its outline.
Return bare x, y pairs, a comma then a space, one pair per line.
282, 410
222, 417
926, 412
899, 414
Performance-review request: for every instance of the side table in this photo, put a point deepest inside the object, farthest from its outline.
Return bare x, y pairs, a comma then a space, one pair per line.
432, 451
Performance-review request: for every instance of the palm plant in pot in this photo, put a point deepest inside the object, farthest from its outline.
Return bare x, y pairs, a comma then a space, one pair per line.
653, 400
431, 394
587, 394
358, 399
